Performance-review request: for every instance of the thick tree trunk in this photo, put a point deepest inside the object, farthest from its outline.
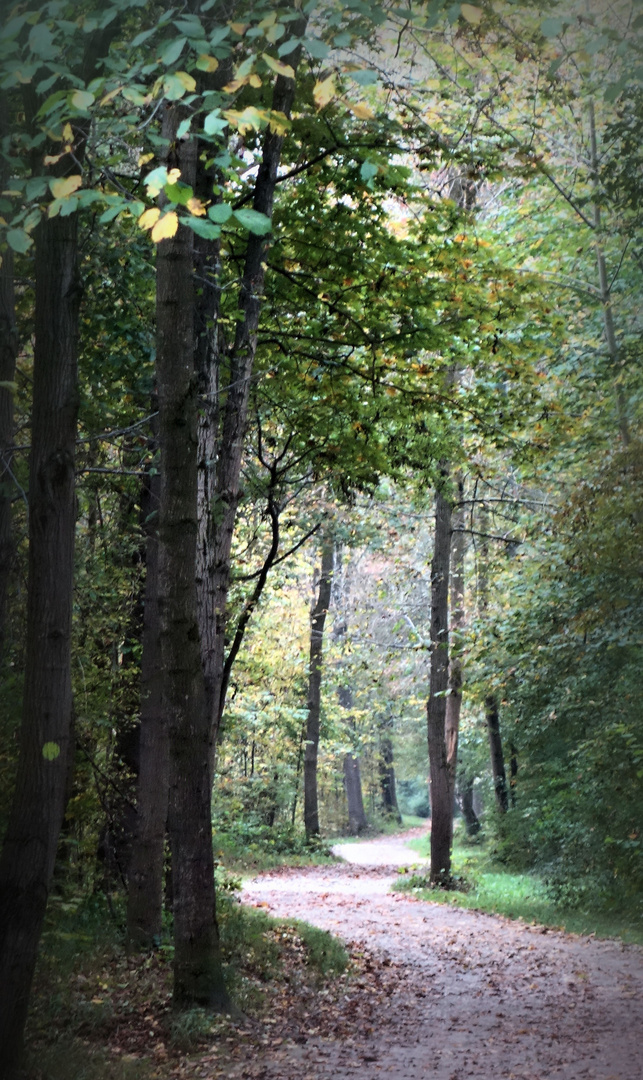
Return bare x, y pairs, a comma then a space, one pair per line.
29, 849
8, 352
441, 786
492, 715
145, 877
318, 619
456, 628
198, 973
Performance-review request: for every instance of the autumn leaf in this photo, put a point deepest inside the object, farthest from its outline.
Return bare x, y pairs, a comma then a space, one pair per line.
323, 91
207, 63
165, 227
82, 99
278, 66
250, 119
360, 109
196, 207
149, 218
62, 188
239, 27
472, 14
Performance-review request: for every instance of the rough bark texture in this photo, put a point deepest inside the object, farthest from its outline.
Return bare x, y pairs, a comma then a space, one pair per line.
353, 784
198, 974
29, 849
145, 877
456, 627
8, 352
226, 376
318, 619
440, 784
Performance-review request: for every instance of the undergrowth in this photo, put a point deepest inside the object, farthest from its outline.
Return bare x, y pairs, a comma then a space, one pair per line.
485, 884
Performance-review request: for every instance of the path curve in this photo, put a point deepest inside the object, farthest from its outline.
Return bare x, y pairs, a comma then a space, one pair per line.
471, 995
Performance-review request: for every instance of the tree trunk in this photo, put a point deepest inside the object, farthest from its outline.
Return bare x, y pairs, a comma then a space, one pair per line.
145, 877
8, 352
498, 772
387, 772
456, 628
198, 973
441, 787
353, 784
29, 849
318, 619
465, 792
226, 407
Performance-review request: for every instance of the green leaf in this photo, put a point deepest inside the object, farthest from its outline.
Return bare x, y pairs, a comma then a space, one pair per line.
41, 42
365, 78
202, 228
368, 170
19, 240
184, 128
288, 46
252, 220
143, 36
551, 28
109, 214
35, 188
214, 123
174, 88
220, 212
81, 99
50, 751
173, 50
179, 193
316, 48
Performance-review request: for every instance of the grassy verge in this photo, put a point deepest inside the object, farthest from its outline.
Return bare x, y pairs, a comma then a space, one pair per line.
491, 887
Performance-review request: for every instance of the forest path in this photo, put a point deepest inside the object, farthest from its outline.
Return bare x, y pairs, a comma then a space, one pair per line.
452, 994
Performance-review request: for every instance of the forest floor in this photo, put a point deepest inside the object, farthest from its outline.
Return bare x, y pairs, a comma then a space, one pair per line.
446, 993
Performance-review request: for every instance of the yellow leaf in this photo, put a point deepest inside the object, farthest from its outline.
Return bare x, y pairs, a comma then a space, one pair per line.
255, 81
143, 159
278, 66
360, 109
108, 97
196, 207
269, 20
51, 159
165, 227
278, 122
60, 189
207, 63
250, 119
173, 176
149, 218
186, 80
236, 84
324, 91
471, 14
239, 27
68, 135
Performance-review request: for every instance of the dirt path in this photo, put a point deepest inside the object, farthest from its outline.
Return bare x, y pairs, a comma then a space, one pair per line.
456, 994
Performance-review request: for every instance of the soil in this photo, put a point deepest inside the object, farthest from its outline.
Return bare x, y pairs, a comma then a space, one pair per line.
446, 993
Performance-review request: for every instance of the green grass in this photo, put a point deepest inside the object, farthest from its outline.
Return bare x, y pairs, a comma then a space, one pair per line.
495, 889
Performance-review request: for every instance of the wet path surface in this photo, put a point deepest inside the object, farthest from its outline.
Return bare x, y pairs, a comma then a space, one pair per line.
461, 994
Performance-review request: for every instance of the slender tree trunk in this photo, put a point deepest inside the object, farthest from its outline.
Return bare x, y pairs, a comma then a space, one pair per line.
8, 352
226, 407
454, 700
605, 287
441, 788
145, 877
29, 849
492, 715
198, 973
318, 619
353, 784
387, 771
465, 792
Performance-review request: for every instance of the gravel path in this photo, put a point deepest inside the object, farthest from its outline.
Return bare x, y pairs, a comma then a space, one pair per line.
464, 994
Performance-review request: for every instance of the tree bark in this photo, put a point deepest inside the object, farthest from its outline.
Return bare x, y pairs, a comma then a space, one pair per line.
8, 353
145, 877
318, 619
457, 615
492, 716
198, 973
353, 784
29, 849
387, 772
465, 792
440, 784
226, 408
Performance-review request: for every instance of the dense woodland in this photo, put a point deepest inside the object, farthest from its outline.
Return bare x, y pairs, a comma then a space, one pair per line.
320, 403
